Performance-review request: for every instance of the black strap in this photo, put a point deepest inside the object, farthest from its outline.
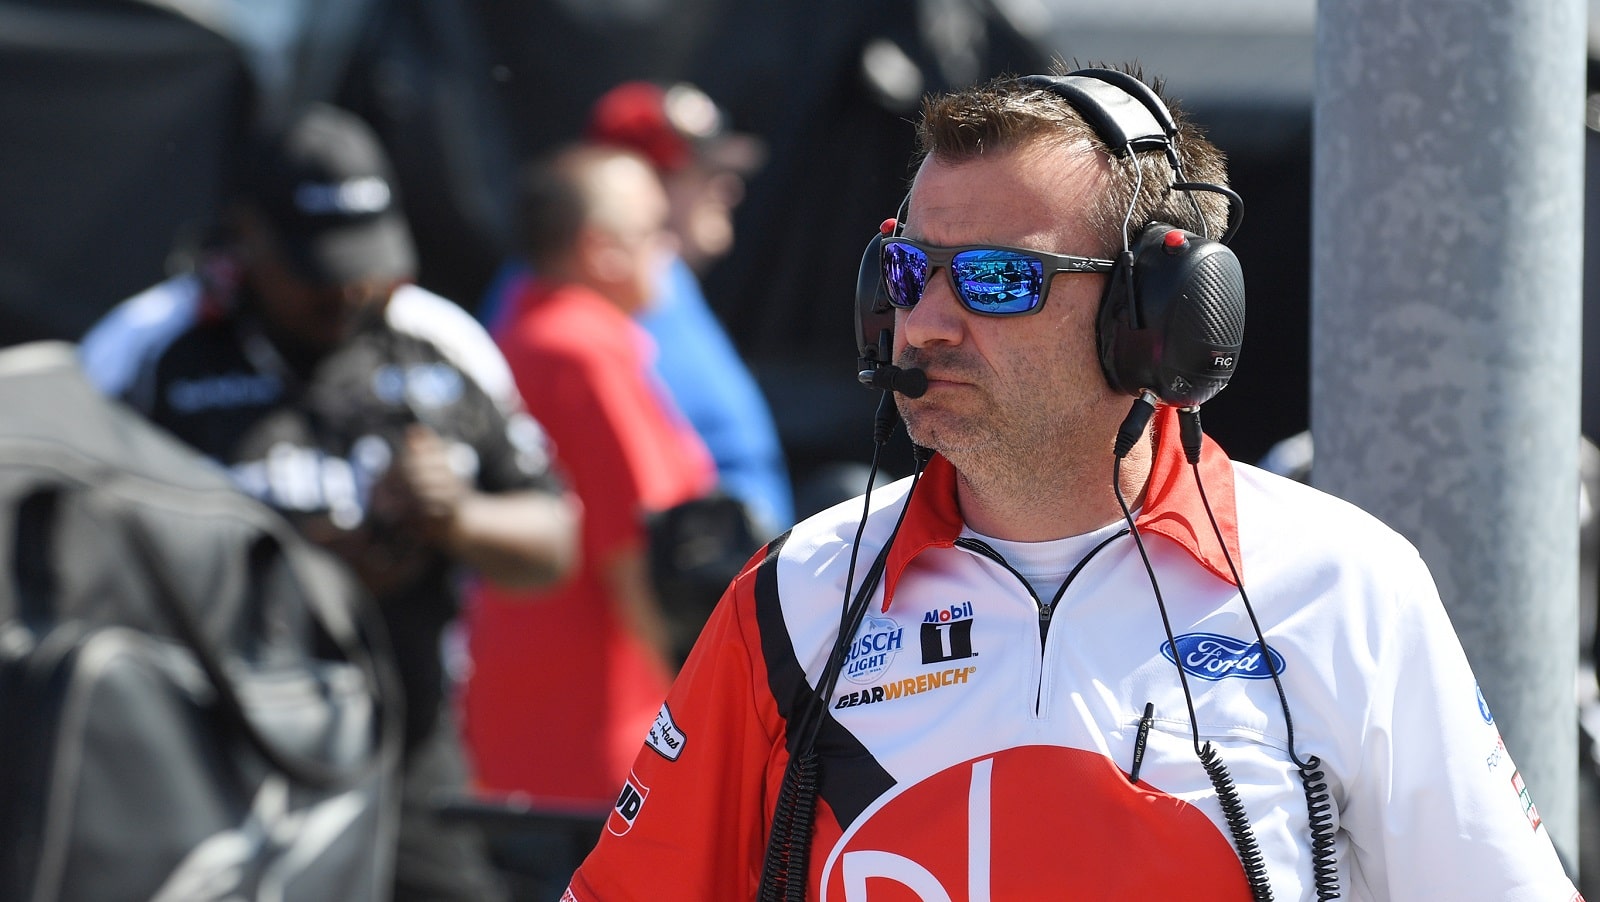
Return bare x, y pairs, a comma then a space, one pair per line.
784, 869
340, 630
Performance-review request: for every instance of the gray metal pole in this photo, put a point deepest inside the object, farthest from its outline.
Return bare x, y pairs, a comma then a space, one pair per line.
1446, 291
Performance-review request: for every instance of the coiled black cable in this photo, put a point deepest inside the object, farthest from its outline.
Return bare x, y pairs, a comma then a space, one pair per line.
783, 871
1244, 838
1324, 867
1319, 808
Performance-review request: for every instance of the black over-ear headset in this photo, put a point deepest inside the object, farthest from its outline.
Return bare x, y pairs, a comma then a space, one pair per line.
1171, 319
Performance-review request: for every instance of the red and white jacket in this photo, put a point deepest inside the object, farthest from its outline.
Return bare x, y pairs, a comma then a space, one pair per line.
970, 754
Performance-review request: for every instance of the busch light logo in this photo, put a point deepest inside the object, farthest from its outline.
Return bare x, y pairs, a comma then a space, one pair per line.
1213, 657
874, 649
1483, 705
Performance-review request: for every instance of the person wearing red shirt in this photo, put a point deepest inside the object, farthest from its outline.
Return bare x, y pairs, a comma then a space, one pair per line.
566, 682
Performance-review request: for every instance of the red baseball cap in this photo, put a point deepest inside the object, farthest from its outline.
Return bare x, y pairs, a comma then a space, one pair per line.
672, 126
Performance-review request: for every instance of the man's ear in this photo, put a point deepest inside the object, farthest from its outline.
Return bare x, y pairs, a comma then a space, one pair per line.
602, 257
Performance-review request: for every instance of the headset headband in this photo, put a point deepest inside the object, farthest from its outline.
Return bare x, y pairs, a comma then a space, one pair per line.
1121, 109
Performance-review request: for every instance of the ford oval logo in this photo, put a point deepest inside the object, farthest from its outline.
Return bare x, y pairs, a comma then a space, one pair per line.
1213, 657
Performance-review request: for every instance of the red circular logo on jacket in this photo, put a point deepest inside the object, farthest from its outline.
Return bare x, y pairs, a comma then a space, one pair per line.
1037, 822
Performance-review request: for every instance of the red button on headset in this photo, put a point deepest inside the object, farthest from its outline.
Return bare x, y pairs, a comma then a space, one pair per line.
888, 227
1174, 241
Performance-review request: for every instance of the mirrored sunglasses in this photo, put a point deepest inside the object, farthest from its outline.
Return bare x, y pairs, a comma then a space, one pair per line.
989, 279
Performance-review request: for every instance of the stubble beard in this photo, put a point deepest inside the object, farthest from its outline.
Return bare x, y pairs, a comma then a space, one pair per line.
979, 439
1016, 449
955, 436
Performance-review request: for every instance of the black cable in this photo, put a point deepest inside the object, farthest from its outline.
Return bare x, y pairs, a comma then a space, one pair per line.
1133, 424
883, 422
857, 612
1244, 840
851, 612
1142, 409
784, 869
783, 873
1324, 868
789, 845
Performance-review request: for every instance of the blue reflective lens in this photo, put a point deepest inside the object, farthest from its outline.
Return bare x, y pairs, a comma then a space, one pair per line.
989, 279
997, 282
905, 273
992, 281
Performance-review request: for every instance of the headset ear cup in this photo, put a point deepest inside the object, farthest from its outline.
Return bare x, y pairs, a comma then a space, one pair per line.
874, 314
1178, 330
1111, 324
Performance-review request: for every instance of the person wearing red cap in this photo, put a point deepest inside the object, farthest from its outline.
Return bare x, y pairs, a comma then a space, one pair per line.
701, 161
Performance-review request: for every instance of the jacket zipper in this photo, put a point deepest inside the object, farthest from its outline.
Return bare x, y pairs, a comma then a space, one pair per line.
1046, 608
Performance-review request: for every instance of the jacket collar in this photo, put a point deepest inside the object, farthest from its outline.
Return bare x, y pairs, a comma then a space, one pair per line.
1173, 507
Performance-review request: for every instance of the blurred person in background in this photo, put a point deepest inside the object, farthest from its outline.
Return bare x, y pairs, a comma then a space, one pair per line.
565, 683
703, 165
379, 417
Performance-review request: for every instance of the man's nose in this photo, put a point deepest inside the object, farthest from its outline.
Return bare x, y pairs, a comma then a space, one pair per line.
937, 317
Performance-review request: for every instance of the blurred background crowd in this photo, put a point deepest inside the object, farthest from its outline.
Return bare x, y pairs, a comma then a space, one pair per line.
161, 92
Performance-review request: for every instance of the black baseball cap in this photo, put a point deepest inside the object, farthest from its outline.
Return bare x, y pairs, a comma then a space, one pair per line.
325, 186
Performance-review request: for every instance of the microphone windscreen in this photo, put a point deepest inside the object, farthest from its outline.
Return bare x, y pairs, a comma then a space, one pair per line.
913, 383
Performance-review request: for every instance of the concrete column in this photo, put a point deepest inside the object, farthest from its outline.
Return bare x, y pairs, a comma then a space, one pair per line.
1445, 330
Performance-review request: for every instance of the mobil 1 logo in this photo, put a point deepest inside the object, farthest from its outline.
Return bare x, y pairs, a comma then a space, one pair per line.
947, 634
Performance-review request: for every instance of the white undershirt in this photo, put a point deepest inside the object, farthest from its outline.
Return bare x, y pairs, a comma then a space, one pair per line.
1046, 564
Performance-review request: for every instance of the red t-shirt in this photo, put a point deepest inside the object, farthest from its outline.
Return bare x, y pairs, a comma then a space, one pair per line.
560, 694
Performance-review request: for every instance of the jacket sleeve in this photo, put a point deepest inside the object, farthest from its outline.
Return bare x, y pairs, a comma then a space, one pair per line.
1437, 809
692, 821
119, 352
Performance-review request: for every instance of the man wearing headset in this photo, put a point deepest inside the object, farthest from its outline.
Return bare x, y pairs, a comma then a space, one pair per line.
1085, 655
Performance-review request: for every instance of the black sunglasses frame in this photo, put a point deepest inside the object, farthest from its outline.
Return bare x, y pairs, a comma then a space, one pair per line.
941, 257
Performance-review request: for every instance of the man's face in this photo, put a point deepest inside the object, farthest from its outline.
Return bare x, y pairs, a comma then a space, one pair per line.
307, 316
703, 200
629, 243
1008, 392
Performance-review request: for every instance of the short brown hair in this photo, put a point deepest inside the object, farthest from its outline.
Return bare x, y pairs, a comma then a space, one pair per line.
550, 209
565, 191
1003, 113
